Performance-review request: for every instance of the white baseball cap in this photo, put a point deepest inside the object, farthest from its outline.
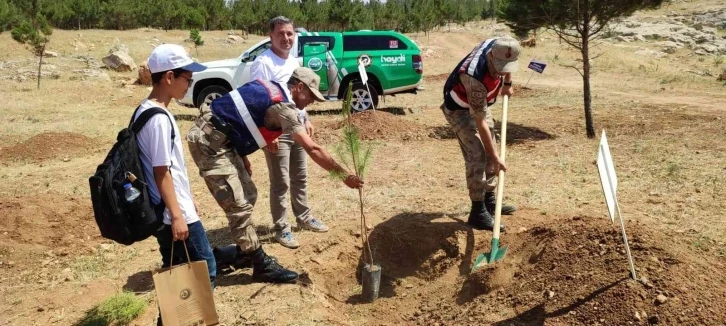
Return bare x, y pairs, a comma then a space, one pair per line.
171, 56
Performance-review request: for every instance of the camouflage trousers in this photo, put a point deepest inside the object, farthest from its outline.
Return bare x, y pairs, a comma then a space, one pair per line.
230, 184
480, 177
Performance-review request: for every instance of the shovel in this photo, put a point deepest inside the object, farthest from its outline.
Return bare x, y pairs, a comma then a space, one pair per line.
497, 253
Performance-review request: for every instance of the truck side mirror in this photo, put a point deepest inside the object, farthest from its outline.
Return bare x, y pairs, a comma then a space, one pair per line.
245, 57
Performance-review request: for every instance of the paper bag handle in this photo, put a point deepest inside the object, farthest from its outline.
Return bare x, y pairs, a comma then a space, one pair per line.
171, 258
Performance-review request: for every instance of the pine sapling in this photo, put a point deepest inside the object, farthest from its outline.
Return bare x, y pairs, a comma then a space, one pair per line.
196, 37
356, 158
35, 35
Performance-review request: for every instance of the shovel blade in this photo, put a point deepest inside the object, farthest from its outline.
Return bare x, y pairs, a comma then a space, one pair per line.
488, 258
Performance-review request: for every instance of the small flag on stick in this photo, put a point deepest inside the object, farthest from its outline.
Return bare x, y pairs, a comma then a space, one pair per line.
537, 66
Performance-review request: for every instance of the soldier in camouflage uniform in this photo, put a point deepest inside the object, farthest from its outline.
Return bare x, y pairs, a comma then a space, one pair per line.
469, 91
238, 124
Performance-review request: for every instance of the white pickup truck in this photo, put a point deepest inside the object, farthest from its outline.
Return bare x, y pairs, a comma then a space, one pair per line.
222, 76
393, 65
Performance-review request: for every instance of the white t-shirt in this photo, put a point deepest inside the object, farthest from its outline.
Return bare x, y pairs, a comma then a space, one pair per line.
268, 66
154, 142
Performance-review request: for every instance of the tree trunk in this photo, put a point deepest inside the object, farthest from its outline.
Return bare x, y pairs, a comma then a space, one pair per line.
40, 63
586, 92
586, 71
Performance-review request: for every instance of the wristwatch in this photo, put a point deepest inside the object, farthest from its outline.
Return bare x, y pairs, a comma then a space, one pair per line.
507, 84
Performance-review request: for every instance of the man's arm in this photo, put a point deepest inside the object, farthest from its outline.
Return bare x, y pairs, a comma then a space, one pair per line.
290, 124
507, 89
508, 77
324, 160
476, 93
308, 124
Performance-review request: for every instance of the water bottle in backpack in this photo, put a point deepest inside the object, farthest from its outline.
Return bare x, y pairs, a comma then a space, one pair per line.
131, 193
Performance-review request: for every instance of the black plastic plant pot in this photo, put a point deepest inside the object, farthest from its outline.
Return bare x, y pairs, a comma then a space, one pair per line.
371, 282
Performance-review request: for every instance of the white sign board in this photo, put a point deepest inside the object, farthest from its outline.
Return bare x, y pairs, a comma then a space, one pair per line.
609, 182
608, 179
363, 73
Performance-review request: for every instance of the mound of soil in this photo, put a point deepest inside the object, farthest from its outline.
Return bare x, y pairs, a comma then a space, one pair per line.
375, 125
35, 226
567, 271
47, 145
576, 272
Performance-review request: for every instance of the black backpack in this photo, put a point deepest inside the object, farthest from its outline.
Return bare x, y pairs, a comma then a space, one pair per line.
119, 220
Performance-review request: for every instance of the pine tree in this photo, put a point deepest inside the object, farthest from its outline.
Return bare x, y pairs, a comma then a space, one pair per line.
315, 14
361, 17
118, 14
393, 15
578, 23
352, 154
340, 13
34, 32
242, 15
8, 15
196, 39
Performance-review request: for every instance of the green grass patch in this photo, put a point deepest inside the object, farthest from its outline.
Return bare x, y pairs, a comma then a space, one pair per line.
120, 309
89, 267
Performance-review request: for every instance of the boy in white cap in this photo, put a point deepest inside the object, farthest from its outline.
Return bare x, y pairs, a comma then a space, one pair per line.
469, 91
162, 157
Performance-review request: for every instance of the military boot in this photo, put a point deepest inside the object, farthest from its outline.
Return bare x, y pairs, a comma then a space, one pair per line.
266, 269
480, 219
490, 201
230, 257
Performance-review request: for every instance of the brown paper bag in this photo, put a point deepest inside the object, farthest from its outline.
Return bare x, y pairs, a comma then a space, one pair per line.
185, 294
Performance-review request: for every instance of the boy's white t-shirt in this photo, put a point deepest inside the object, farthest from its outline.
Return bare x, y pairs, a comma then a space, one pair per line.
154, 142
268, 66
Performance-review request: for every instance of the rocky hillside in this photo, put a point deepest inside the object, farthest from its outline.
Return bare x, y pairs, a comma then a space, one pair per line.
700, 31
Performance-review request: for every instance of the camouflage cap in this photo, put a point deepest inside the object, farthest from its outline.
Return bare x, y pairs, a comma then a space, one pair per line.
505, 52
311, 80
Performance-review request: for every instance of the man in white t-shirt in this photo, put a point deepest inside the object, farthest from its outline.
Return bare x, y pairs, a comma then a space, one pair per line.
286, 159
163, 161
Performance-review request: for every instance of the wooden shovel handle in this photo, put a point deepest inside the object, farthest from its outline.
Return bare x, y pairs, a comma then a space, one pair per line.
500, 180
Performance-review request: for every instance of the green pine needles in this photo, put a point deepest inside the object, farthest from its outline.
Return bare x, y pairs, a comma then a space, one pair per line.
196, 39
35, 34
357, 157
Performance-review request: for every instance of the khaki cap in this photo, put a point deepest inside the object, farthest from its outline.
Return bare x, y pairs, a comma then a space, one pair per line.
505, 52
311, 80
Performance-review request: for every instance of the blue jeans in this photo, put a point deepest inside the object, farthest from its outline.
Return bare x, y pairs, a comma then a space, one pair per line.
197, 244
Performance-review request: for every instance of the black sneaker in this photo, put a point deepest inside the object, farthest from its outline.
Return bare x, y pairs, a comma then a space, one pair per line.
230, 257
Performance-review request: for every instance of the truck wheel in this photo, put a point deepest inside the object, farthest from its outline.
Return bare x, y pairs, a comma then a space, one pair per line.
361, 99
210, 93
